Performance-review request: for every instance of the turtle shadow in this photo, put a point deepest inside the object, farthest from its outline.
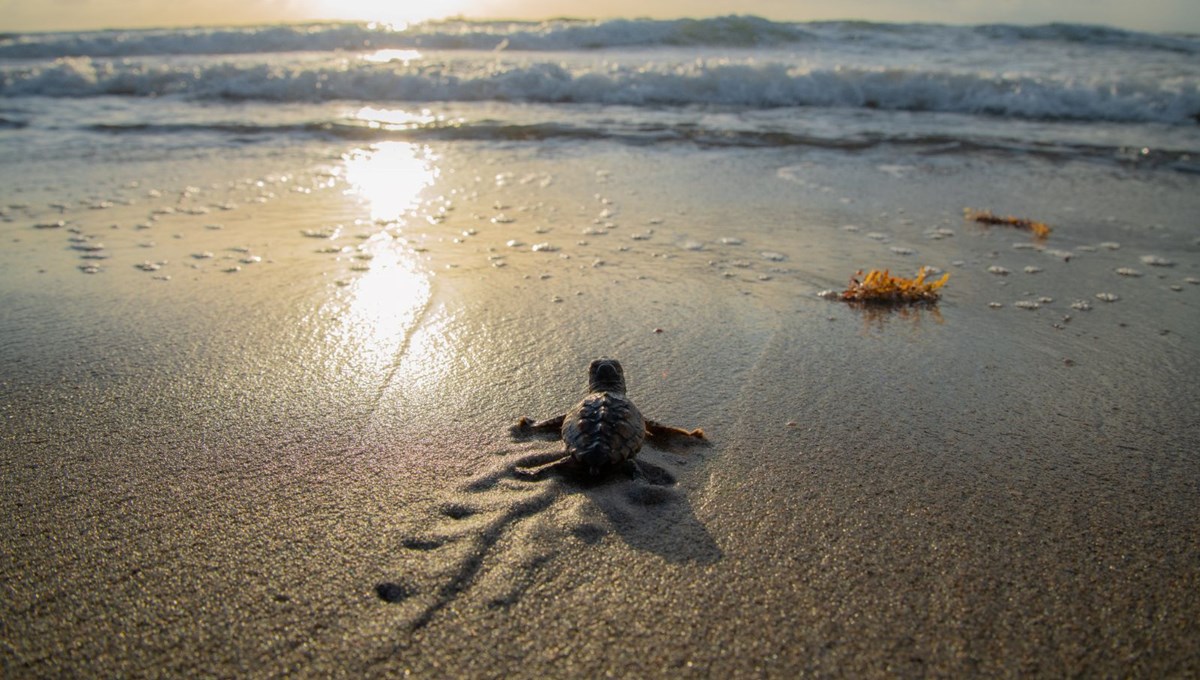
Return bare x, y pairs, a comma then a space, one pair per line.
641, 503
630, 495
508, 524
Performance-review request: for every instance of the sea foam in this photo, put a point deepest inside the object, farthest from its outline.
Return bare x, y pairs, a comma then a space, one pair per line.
749, 82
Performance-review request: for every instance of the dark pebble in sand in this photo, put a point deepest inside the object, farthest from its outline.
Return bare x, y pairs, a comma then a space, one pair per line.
458, 511
420, 544
394, 592
502, 602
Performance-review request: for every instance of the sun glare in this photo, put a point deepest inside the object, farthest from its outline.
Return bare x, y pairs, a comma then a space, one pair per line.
396, 14
388, 56
385, 304
390, 176
387, 296
394, 119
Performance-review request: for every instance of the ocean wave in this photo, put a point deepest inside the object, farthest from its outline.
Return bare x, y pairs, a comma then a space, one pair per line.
655, 133
563, 35
748, 84
1091, 35
194, 41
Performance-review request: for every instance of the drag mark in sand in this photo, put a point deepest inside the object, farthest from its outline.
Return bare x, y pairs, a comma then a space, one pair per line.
498, 535
481, 544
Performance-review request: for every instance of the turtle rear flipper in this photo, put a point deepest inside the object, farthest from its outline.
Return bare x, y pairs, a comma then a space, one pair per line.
665, 436
538, 465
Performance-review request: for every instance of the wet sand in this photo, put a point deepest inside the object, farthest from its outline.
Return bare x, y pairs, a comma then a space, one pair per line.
302, 463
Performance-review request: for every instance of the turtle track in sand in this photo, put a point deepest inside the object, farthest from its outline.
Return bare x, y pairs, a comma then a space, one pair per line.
493, 537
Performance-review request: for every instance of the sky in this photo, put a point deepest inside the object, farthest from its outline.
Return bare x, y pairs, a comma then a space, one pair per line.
58, 15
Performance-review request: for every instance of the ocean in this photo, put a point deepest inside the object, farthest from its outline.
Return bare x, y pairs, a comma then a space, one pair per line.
1062, 91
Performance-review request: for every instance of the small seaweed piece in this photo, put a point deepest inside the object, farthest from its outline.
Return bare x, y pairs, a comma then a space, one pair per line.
1039, 229
882, 288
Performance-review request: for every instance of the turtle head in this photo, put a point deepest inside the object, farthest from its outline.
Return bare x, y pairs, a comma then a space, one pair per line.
606, 375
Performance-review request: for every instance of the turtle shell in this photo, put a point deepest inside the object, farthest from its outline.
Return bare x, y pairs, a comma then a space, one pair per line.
604, 429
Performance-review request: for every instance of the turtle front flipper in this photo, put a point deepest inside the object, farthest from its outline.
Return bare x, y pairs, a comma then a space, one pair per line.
526, 427
665, 435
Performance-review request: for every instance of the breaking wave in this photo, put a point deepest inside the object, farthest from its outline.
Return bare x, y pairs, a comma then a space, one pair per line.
565, 35
717, 82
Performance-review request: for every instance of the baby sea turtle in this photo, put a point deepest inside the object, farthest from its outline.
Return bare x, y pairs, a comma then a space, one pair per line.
605, 430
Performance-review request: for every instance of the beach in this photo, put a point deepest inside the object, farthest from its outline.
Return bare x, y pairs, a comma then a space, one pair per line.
257, 402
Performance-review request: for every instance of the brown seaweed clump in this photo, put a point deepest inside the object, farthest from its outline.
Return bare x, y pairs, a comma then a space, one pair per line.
1039, 229
880, 287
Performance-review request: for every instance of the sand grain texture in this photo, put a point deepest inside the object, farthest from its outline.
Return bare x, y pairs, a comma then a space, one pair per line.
304, 466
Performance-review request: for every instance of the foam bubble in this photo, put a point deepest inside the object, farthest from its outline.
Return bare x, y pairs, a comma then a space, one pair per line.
1156, 261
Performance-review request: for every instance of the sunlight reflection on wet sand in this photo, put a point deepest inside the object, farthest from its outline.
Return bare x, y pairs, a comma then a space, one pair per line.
390, 177
387, 300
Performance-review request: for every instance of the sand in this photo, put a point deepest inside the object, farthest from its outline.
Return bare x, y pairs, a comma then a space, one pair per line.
301, 464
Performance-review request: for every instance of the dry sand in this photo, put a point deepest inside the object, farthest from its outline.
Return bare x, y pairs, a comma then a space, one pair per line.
304, 466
